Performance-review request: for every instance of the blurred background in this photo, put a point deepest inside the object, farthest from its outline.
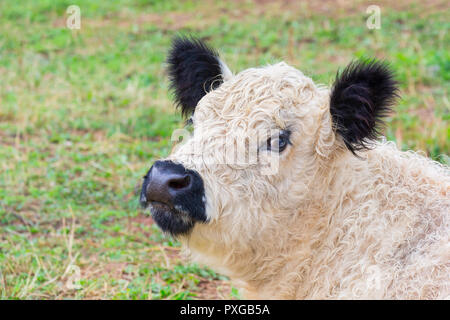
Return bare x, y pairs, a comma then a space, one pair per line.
85, 111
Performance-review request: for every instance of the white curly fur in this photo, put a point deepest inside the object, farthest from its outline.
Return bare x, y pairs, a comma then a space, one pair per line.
328, 225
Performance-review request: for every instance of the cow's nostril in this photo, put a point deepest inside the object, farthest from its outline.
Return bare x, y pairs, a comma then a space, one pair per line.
171, 184
179, 183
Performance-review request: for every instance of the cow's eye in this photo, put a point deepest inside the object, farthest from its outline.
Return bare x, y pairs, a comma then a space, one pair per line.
280, 142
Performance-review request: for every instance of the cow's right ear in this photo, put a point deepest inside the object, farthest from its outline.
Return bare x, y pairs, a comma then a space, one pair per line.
194, 69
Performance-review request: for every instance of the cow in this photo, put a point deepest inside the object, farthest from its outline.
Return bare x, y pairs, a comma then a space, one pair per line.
342, 213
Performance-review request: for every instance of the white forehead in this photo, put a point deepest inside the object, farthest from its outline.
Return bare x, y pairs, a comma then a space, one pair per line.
255, 95
280, 73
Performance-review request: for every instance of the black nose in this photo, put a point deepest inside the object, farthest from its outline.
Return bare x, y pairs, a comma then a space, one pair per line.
166, 181
169, 183
176, 196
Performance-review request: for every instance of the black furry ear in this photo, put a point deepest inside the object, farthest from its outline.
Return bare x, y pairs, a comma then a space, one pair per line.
194, 69
361, 97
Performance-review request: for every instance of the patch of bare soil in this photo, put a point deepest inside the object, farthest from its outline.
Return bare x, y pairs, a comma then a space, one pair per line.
243, 10
214, 290
349, 7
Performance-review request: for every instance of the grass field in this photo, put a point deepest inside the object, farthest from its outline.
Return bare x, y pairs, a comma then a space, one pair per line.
84, 113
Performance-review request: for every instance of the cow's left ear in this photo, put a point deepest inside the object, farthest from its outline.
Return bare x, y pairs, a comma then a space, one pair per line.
361, 97
194, 69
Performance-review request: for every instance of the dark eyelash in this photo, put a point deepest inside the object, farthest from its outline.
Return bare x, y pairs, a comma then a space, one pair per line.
285, 134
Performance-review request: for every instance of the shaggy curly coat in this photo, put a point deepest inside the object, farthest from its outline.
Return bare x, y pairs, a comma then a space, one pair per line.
329, 224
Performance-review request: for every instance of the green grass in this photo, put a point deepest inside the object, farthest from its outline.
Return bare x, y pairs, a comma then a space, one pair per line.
84, 113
